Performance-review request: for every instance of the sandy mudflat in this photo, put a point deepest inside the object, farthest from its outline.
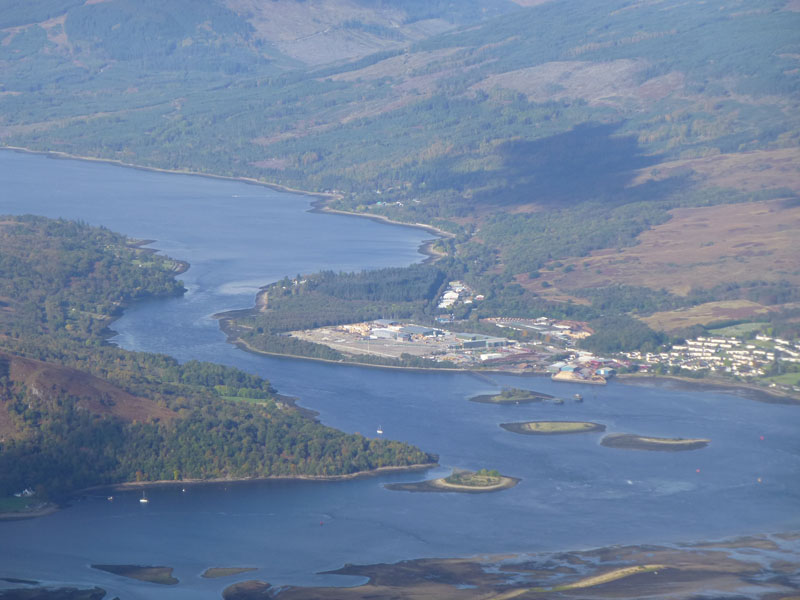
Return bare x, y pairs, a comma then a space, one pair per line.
621, 572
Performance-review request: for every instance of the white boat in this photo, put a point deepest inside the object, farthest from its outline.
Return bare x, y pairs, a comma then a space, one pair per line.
143, 499
380, 430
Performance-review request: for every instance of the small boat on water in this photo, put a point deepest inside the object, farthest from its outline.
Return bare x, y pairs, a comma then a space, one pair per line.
380, 430
143, 499
578, 398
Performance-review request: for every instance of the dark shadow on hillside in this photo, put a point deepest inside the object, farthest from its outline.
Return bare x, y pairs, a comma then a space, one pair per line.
587, 163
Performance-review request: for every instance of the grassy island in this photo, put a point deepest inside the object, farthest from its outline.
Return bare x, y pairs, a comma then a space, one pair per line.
468, 482
512, 396
629, 441
160, 575
553, 427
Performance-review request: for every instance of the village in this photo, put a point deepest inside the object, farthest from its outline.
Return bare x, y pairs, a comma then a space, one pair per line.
546, 345
751, 360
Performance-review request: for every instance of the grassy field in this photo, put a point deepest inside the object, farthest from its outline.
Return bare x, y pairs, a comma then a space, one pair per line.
741, 330
785, 379
703, 314
11, 504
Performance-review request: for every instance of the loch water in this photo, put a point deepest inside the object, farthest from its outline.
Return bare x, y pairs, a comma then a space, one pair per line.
573, 494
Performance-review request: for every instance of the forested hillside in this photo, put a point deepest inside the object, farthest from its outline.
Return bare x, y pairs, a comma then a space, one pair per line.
75, 412
576, 149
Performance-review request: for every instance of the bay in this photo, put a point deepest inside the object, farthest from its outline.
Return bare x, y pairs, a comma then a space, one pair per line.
574, 493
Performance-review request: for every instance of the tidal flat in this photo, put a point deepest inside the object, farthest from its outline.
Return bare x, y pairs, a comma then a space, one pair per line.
758, 566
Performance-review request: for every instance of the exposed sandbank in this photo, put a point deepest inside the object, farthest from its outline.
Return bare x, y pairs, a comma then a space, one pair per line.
731, 568
746, 390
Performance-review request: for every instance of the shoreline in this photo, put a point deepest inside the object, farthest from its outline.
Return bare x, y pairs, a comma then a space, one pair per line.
625, 571
132, 485
748, 390
48, 509
242, 345
318, 205
51, 508
56, 154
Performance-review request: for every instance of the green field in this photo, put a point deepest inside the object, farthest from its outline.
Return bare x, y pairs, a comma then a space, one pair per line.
740, 330
785, 379
9, 504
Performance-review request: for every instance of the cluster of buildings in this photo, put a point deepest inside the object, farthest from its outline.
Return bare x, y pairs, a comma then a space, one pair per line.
724, 354
457, 293
388, 329
428, 342
584, 367
564, 331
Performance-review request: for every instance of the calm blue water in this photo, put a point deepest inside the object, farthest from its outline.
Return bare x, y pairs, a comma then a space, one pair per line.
574, 493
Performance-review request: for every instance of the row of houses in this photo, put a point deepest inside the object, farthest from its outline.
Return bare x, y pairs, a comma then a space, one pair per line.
726, 354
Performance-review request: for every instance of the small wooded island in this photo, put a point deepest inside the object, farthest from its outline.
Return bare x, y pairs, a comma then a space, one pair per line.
552, 427
511, 395
469, 482
629, 441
